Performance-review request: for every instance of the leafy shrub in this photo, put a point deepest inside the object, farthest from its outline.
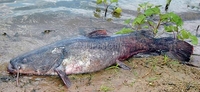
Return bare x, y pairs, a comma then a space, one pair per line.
150, 17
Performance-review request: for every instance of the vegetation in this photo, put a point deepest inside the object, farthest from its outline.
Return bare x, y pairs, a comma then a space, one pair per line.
116, 11
150, 17
104, 88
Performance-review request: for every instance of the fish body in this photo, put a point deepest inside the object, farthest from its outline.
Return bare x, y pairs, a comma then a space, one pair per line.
93, 53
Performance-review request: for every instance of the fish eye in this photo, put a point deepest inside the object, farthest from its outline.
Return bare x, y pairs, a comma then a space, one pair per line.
18, 67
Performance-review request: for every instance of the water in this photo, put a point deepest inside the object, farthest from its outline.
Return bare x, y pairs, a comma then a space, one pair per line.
41, 11
12, 8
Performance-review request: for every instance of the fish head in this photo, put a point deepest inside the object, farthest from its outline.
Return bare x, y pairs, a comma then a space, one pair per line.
20, 64
37, 62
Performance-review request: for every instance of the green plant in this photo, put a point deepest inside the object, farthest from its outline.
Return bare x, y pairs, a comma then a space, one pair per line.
170, 62
165, 58
151, 79
150, 17
152, 63
116, 10
105, 88
115, 67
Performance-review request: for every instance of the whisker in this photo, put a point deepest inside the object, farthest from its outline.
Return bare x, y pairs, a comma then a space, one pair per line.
17, 79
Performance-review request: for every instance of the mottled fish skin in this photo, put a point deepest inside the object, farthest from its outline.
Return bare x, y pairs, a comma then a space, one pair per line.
42, 61
94, 53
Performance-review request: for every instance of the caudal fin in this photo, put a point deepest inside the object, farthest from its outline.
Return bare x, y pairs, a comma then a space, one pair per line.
175, 49
180, 50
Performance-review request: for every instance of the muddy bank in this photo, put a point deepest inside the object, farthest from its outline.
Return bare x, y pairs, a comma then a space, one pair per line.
147, 74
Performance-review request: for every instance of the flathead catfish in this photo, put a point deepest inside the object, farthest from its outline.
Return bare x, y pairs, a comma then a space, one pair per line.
94, 52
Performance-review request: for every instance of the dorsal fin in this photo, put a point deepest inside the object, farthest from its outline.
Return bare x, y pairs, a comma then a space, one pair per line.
97, 33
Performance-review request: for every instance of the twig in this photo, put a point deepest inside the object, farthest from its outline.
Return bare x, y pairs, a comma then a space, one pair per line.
197, 30
150, 25
147, 73
167, 5
106, 9
158, 24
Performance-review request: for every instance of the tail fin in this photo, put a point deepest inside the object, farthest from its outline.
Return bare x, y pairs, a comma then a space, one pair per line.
180, 50
175, 49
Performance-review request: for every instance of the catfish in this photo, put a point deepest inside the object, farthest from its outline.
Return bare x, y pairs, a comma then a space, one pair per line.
94, 52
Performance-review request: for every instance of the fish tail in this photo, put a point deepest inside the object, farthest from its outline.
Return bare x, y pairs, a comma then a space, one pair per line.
175, 49
180, 50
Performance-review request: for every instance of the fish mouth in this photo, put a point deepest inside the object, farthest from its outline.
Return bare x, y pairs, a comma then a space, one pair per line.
11, 69
18, 69
14, 71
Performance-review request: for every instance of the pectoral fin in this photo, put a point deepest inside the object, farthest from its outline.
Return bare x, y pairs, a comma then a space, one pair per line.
122, 65
64, 77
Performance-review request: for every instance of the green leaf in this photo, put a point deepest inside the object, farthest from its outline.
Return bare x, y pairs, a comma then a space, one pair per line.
194, 39
113, 1
99, 1
189, 34
105, 1
97, 15
179, 37
142, 5
175, 28
151, 23
158, 6
138, 9
184, 34
118, 10
169, 28
146, 27
168, 1
124, 31
152, 11
127, 21
109, 19
164, 17
156, 10
139, 19
176, 19
149, 12
149, 5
